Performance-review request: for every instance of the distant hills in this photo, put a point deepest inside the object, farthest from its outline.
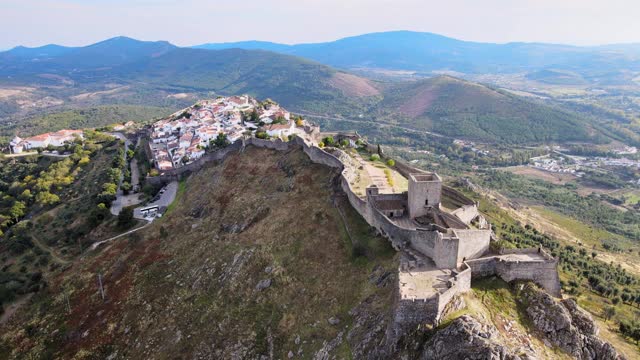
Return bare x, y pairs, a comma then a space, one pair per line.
446, 105
150, 67
427, 52
109, 53
463, 109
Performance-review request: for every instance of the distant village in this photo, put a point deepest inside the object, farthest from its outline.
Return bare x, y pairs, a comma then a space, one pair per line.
575, 164
184, 136
42, 141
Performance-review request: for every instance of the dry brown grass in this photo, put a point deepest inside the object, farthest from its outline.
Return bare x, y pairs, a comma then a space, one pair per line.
352, 85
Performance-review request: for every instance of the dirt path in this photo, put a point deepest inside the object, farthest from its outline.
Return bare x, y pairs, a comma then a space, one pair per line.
382, 123
96, 244
377, 175
49, 250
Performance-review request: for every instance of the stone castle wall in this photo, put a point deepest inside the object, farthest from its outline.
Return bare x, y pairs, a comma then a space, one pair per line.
472, 243
461, 284
542, 272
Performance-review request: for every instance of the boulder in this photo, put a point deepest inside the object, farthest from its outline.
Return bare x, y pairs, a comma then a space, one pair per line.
263, 284
567, 326
466, 338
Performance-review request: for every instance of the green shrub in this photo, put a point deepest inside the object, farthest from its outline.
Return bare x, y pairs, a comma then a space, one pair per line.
374, 157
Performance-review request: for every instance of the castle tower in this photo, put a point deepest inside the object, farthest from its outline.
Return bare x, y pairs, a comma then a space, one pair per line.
425, 190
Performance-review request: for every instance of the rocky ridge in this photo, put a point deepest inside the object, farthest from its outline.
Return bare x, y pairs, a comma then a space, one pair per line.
565, 325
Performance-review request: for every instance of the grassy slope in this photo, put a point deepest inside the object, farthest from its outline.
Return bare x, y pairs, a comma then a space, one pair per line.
589, 300
462, 109
186, 285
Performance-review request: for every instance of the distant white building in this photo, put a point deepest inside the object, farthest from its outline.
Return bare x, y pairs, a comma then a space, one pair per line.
281, 129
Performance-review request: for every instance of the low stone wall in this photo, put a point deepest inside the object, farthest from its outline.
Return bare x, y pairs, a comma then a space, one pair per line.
276, 144
482, 267
456, 196
542, 272
466, 213
177, 174
405, 169
461, 283
408, 314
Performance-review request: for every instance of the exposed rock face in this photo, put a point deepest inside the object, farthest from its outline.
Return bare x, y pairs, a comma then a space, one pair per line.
564, 324
466, 338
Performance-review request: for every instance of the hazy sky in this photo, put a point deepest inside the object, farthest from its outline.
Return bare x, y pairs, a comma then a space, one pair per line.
190, 22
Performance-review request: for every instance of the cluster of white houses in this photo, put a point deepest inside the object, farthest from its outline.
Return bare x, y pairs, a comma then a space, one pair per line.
58, 138
184, 136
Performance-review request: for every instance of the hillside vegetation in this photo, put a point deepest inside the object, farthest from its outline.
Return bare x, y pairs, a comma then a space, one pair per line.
462, 109
253, 259
83, 118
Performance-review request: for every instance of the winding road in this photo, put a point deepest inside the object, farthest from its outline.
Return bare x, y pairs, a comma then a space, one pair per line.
383, 123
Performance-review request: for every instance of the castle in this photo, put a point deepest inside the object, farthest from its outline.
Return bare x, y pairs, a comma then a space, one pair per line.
443, 239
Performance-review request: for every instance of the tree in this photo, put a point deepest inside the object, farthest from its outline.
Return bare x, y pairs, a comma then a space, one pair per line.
221, 140
254, 117
321, 144
374, 157
299, 122
615, 300
609, 312
126, 187
391, 162
17, 210
125, 218
26, 195
329, 141
114, 174
344, 142
83, 161
45, 198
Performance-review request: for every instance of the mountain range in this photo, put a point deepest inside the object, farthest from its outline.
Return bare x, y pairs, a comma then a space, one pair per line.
304, 78
417, 51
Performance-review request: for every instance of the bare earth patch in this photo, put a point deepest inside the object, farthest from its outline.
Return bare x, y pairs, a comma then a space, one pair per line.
86, 96
179, 96
554, 178
15, 91
352, 85
420, 102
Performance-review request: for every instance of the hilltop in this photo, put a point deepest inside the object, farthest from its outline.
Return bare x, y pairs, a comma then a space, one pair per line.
272, 262
458, 108
259, 265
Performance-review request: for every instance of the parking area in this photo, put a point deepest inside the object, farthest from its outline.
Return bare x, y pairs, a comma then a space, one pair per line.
158, 204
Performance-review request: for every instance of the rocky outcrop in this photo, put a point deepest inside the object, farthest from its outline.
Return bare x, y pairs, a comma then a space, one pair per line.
466, 338
565, 325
